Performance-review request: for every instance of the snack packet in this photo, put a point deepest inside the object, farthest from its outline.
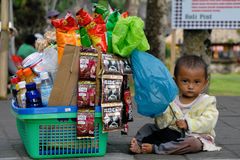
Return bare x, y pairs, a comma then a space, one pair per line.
111, 22
111, 64
83, 17
127, 112
111, 117
101, 9
85, 39
111, 88
88, 65
96, 31
125, 66
86, 94
85, 124
67, 32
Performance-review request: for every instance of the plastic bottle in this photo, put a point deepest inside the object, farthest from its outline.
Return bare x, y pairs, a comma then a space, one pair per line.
46, 87
33, 96
29, 75
20, 74
21, 97
37, 80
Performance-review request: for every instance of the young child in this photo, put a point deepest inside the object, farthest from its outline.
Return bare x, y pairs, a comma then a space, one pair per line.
187, 125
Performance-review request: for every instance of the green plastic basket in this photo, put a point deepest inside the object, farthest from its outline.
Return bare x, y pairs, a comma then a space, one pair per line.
54, 136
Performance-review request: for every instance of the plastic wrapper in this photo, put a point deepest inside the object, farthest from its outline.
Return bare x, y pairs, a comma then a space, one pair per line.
67, 32
128, 35
41, 44
88, 49
96, 31
127, 101
64, 37
127, 112
85, 39
85, 124
50, 36
117, 4
101, 9
83, 17
66, 23
111, 116
124, 14
88, 65
86, 94
126, 66
154, 85
17, 60
111, 22
111, 64
111, 88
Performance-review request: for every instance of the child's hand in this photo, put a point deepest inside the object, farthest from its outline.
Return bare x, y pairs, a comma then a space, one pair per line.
182, 124
147, 148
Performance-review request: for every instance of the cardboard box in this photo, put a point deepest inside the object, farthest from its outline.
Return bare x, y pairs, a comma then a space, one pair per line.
64, 92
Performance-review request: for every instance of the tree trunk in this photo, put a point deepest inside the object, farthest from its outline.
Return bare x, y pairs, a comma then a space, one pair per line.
197, 42
156, 22
4, 49
133, 6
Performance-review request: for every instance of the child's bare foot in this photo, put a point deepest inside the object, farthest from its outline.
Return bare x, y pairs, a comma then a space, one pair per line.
147, 148
134, 147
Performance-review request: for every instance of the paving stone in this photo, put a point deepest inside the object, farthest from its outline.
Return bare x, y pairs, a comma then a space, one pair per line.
227, 131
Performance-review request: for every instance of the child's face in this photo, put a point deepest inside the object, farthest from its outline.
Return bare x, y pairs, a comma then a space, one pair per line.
191, 82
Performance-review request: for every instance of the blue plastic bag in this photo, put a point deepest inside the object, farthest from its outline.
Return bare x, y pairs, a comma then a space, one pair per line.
154, 85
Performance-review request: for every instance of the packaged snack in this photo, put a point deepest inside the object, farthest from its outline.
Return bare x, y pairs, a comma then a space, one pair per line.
88, 49
110, 64
86, 94
127, 114
111, 116
67, 23
50, 36
111, 22
88, 65
64, 37
96, 31
111, 88
125, 66
85, 39
124, 14
83, 17
128, 105
101, 9
67, 32
85, 124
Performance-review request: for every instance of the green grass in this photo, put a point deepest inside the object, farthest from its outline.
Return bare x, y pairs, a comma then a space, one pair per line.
225, 84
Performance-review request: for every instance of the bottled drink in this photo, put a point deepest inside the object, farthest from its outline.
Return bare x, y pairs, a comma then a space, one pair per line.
33, 96
21, 97
37, 80
46, 87
28, 74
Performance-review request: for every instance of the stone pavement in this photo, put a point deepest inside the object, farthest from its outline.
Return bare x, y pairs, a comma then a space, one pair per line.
227, 130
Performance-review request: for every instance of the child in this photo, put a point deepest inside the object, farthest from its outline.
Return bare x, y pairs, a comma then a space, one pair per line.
192, 113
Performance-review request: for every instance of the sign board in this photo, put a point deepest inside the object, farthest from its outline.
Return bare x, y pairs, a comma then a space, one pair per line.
206, 14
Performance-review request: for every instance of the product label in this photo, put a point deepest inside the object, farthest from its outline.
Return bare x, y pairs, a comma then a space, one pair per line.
23, 100
45, 94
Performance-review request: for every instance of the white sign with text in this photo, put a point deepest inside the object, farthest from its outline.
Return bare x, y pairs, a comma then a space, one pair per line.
205, 14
